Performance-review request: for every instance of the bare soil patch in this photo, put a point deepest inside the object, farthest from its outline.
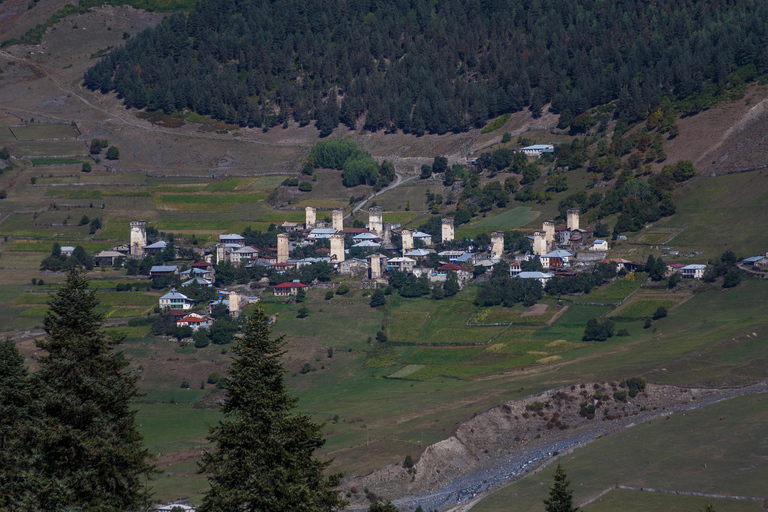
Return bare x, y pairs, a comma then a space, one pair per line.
726, 138
536, 310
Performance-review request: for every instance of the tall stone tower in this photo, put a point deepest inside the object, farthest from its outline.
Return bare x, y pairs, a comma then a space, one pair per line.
235, 304
549, 229
540, 243
447, 229
138, 238
376, 265
311, 213
282, 248
337, 248
573, 219
338, 220
497, 245
407, 235
376, 220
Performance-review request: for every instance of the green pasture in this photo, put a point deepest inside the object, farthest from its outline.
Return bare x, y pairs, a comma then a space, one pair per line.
37, 148
615, 291
44, 131
637, 501
720, 213
644, 308
717, 449
205, 202
36, 161
21, 224
45, 246
73, 193
516, 217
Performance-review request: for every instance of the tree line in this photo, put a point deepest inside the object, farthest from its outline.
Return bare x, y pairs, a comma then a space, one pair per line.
422, 66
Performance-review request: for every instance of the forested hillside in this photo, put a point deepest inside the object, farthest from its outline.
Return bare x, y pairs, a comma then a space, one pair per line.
437, 66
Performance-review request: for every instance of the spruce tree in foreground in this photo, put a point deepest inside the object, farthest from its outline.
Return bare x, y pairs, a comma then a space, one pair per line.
263, 459
15, 425
88, 452
560, 494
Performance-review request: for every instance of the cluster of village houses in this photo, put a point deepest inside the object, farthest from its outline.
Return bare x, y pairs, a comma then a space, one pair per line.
560, 250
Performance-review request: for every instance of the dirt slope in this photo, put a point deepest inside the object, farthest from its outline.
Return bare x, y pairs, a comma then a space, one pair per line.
726, 138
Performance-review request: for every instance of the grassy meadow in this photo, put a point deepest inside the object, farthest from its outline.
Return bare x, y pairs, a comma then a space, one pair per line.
716, 449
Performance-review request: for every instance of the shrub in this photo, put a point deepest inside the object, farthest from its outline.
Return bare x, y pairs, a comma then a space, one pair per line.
214, 377
620, 396
378, 298
305, 369
113, 153
86, 167
732, 278
291, 182
535, 406
305, 186
342, 289
661, 312
408, 463
328, 295
647, 323
381, 337
303, 312
185, 384
598, 331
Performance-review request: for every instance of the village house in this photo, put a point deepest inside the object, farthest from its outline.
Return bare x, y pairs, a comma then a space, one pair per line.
515, 268
418, 254
107, 258
537, 150
621, 263
175, 300
556, 259
451, 256
403, 264
155, 248
233, 239
67, 250
319, 233
245, 254
163, 270
194, 321
463, 276
693, 271
354, 267
424, 238
542, 277
599, 245
288, 289
202, 283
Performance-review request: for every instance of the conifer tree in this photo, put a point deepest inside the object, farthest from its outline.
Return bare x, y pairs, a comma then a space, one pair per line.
15, 423
88, 452
264, 452
560, 494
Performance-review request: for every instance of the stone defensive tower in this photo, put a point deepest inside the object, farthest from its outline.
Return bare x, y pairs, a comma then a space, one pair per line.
407, 235
282, 248
138, 237
311, 213
338, 220
497, 245
337, 248
549, 229
447, 230
376, 220
375, 265
235, 303
573, 219
540, 243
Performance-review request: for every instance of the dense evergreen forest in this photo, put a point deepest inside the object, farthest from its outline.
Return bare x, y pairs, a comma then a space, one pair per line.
437, 66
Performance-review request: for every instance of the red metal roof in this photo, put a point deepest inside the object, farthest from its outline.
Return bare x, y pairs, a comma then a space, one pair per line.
192, 319
452, 266
291, 285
